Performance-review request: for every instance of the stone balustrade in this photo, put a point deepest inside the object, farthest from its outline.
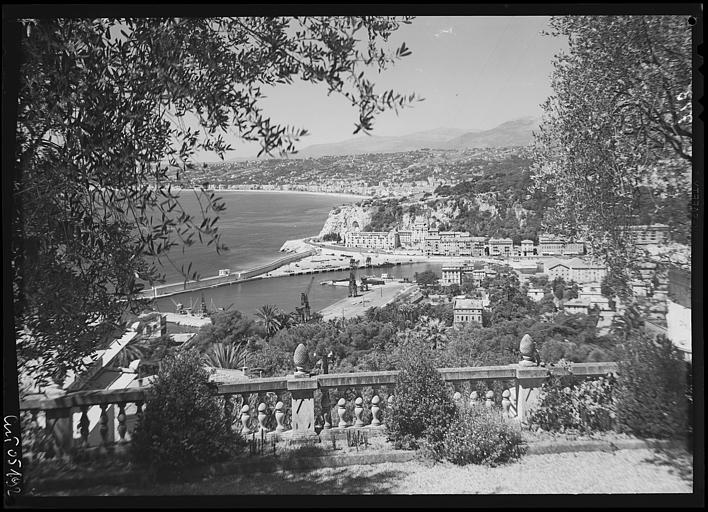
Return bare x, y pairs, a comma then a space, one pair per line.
295, 408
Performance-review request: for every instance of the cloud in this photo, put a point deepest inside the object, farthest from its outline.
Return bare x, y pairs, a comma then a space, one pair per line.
445, 31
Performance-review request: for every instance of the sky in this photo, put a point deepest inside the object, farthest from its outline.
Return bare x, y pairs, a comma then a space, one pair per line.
475, 72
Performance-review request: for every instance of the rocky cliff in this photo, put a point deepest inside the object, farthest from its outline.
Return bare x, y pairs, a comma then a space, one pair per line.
438, 212
347, 218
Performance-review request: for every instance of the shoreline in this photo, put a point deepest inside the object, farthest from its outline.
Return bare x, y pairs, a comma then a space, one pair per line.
329, 259
332, 194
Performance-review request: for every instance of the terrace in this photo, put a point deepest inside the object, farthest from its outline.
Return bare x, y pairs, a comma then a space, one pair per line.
294, 408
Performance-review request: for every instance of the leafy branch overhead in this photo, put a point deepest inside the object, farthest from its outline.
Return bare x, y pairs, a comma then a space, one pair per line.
110, 110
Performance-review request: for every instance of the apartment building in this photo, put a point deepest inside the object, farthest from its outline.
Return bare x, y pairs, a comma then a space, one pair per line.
376, 240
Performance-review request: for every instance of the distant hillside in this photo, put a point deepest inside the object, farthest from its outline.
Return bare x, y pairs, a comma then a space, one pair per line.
383, 144
511, 133
518, 132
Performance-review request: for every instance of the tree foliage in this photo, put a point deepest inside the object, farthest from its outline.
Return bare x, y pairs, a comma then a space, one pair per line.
184, 422
426, 278
110, 111
618, 123
227, 327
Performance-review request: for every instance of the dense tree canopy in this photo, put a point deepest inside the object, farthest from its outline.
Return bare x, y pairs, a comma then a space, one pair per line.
110, 110
617, 133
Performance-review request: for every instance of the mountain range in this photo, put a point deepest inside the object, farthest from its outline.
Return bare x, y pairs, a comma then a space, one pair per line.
517, 132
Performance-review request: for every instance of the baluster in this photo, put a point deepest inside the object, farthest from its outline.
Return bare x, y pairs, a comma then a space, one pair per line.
506, 403
358, 410
122, 427
341, 411
375, 422
262, 415
474, 399
104, 425
326, 410
244, 420
490, 399
139, 409
84, 426
279, 416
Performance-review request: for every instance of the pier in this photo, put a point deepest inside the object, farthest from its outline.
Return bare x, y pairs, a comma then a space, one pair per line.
222, 280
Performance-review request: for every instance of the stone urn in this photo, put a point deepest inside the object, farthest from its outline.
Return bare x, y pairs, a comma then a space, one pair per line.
527, 347
300, 359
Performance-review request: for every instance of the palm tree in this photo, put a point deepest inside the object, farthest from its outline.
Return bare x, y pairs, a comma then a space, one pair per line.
436, 331
268, 315
287, 320
227, 355
137, 348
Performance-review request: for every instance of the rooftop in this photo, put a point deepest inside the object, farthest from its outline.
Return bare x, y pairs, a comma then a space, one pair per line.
468, 304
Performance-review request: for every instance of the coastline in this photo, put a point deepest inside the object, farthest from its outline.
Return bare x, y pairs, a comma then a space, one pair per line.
332, 194
333, 258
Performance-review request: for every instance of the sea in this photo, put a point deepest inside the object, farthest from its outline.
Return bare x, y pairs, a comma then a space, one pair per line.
254, 227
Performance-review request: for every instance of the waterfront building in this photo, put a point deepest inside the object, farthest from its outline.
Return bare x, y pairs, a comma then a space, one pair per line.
527, 248
377, 240
432, 242
478, 243
405, 238
500, 247
455, 243
466, 311
418, 233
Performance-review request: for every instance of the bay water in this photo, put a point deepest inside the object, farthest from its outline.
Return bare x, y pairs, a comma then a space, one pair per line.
254, 227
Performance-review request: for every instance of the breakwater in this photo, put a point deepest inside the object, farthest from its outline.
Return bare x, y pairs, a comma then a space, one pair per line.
222, 280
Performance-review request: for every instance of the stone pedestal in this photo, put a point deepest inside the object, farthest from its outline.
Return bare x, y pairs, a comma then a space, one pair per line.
302, 390
529, 382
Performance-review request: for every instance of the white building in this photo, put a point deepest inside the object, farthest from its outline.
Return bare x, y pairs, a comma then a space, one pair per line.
377, 240
467, 310
576, 270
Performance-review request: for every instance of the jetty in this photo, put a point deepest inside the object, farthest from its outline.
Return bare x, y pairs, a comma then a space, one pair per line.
224, 278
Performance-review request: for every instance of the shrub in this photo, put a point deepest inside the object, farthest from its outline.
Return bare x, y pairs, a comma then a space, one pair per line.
482, 436
422, 406
652, 399
557, 408
586, 406
184, 422
36, 441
